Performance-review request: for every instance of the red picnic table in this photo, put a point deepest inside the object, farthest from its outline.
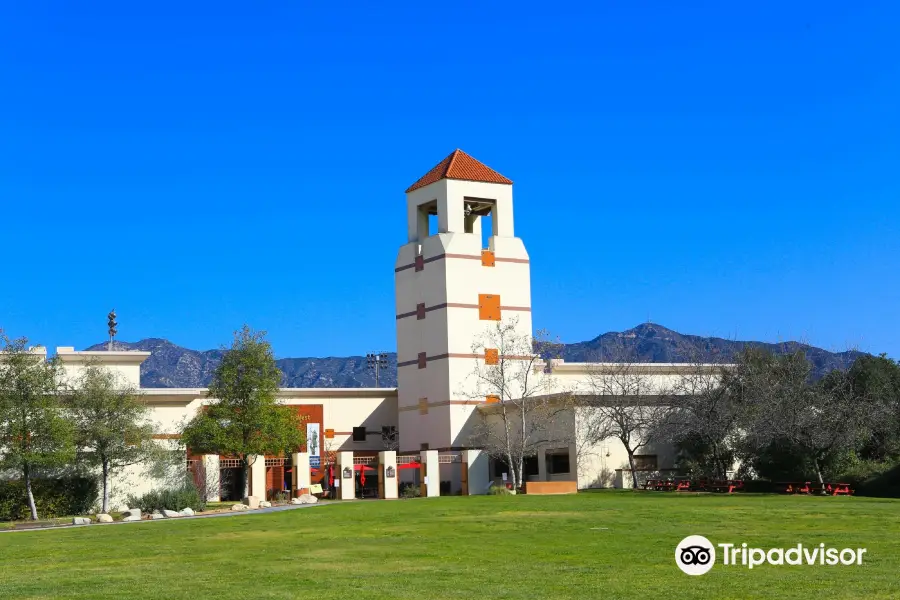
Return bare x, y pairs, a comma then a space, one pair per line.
808, 487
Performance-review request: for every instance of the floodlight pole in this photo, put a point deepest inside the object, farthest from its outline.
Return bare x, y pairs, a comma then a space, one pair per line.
376, 361
111, 322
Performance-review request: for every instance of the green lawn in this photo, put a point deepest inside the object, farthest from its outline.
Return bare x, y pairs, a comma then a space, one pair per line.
594, 545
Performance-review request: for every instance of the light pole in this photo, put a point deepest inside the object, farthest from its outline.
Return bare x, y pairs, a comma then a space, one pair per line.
376, 361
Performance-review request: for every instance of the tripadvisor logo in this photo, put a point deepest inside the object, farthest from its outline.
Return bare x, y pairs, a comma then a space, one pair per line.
696, 555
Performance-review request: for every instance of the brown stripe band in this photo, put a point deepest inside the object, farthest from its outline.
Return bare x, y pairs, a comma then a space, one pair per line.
408, 363
443, 403
523, 261
460, 305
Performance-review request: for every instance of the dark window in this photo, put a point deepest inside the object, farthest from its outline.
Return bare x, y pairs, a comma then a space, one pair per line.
359, 434
557, 461
645, 462
530, 465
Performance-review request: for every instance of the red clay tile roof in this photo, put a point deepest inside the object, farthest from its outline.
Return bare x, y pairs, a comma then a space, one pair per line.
459, 165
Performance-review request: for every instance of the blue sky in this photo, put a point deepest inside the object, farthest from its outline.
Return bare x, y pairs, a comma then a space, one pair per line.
719, 168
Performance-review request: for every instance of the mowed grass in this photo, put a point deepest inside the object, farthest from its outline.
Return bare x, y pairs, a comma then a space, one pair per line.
593, 545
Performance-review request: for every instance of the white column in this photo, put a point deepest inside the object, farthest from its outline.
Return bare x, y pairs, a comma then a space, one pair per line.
387, 464
347, 491
301, 477
211, 474
478, 472
257, 481
432, 473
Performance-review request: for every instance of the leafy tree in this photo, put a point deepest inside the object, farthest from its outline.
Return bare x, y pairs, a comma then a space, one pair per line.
111, 424
784, 406
244, 419
34, 435
876, 381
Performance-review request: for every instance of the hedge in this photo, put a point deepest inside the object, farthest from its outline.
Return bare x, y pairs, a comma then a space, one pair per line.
54, 497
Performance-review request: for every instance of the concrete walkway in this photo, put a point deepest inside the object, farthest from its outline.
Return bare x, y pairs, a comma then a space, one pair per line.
257, 511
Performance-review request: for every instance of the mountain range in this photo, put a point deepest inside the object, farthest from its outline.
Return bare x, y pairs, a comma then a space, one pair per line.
170, 365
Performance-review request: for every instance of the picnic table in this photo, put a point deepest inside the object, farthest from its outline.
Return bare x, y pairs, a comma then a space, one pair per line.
728, 486
809, 487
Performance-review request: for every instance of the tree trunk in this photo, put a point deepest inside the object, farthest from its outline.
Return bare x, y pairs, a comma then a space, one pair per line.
245, 475
105, 466
634, 481
819, 474
31, 505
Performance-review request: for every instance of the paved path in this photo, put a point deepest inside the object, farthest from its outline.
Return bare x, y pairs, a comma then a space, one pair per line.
258, 511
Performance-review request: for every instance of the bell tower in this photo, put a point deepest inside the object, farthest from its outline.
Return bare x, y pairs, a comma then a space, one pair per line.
449, 290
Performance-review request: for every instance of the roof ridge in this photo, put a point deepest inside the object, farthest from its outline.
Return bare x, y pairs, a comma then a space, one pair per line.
453, 156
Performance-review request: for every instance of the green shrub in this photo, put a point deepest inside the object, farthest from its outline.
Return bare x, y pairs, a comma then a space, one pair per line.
54, 497
499, 490
186, 496
410, 491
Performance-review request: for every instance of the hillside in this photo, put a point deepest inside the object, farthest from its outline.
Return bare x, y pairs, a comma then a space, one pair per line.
173, 366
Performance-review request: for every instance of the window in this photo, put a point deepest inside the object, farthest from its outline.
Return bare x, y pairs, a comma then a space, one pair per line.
645, 462
529, 464
557, 461
359, 434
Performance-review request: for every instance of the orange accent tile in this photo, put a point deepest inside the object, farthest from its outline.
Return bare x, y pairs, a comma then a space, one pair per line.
492, 399
487, 258
491, 356
489, 307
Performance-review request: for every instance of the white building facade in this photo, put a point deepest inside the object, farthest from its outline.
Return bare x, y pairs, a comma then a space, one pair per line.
449, 290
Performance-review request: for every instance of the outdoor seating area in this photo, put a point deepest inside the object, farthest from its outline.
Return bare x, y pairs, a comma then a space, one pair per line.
686, 484
809, 487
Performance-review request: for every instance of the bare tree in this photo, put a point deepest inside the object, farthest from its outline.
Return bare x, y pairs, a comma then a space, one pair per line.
527, 408
390, 438
704, 415
625, 403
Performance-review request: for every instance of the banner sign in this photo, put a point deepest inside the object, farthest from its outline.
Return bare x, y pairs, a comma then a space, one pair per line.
312, 442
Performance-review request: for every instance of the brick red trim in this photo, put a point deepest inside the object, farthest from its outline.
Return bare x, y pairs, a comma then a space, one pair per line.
412, 265
458, 305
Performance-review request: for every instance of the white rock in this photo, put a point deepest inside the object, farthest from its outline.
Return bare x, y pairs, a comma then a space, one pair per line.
239, 507
155, 516
103, 518
171, 514
81, 521
296, 500
252, 501
131, 512
132, 518
309, 499
187, 512
265, 504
